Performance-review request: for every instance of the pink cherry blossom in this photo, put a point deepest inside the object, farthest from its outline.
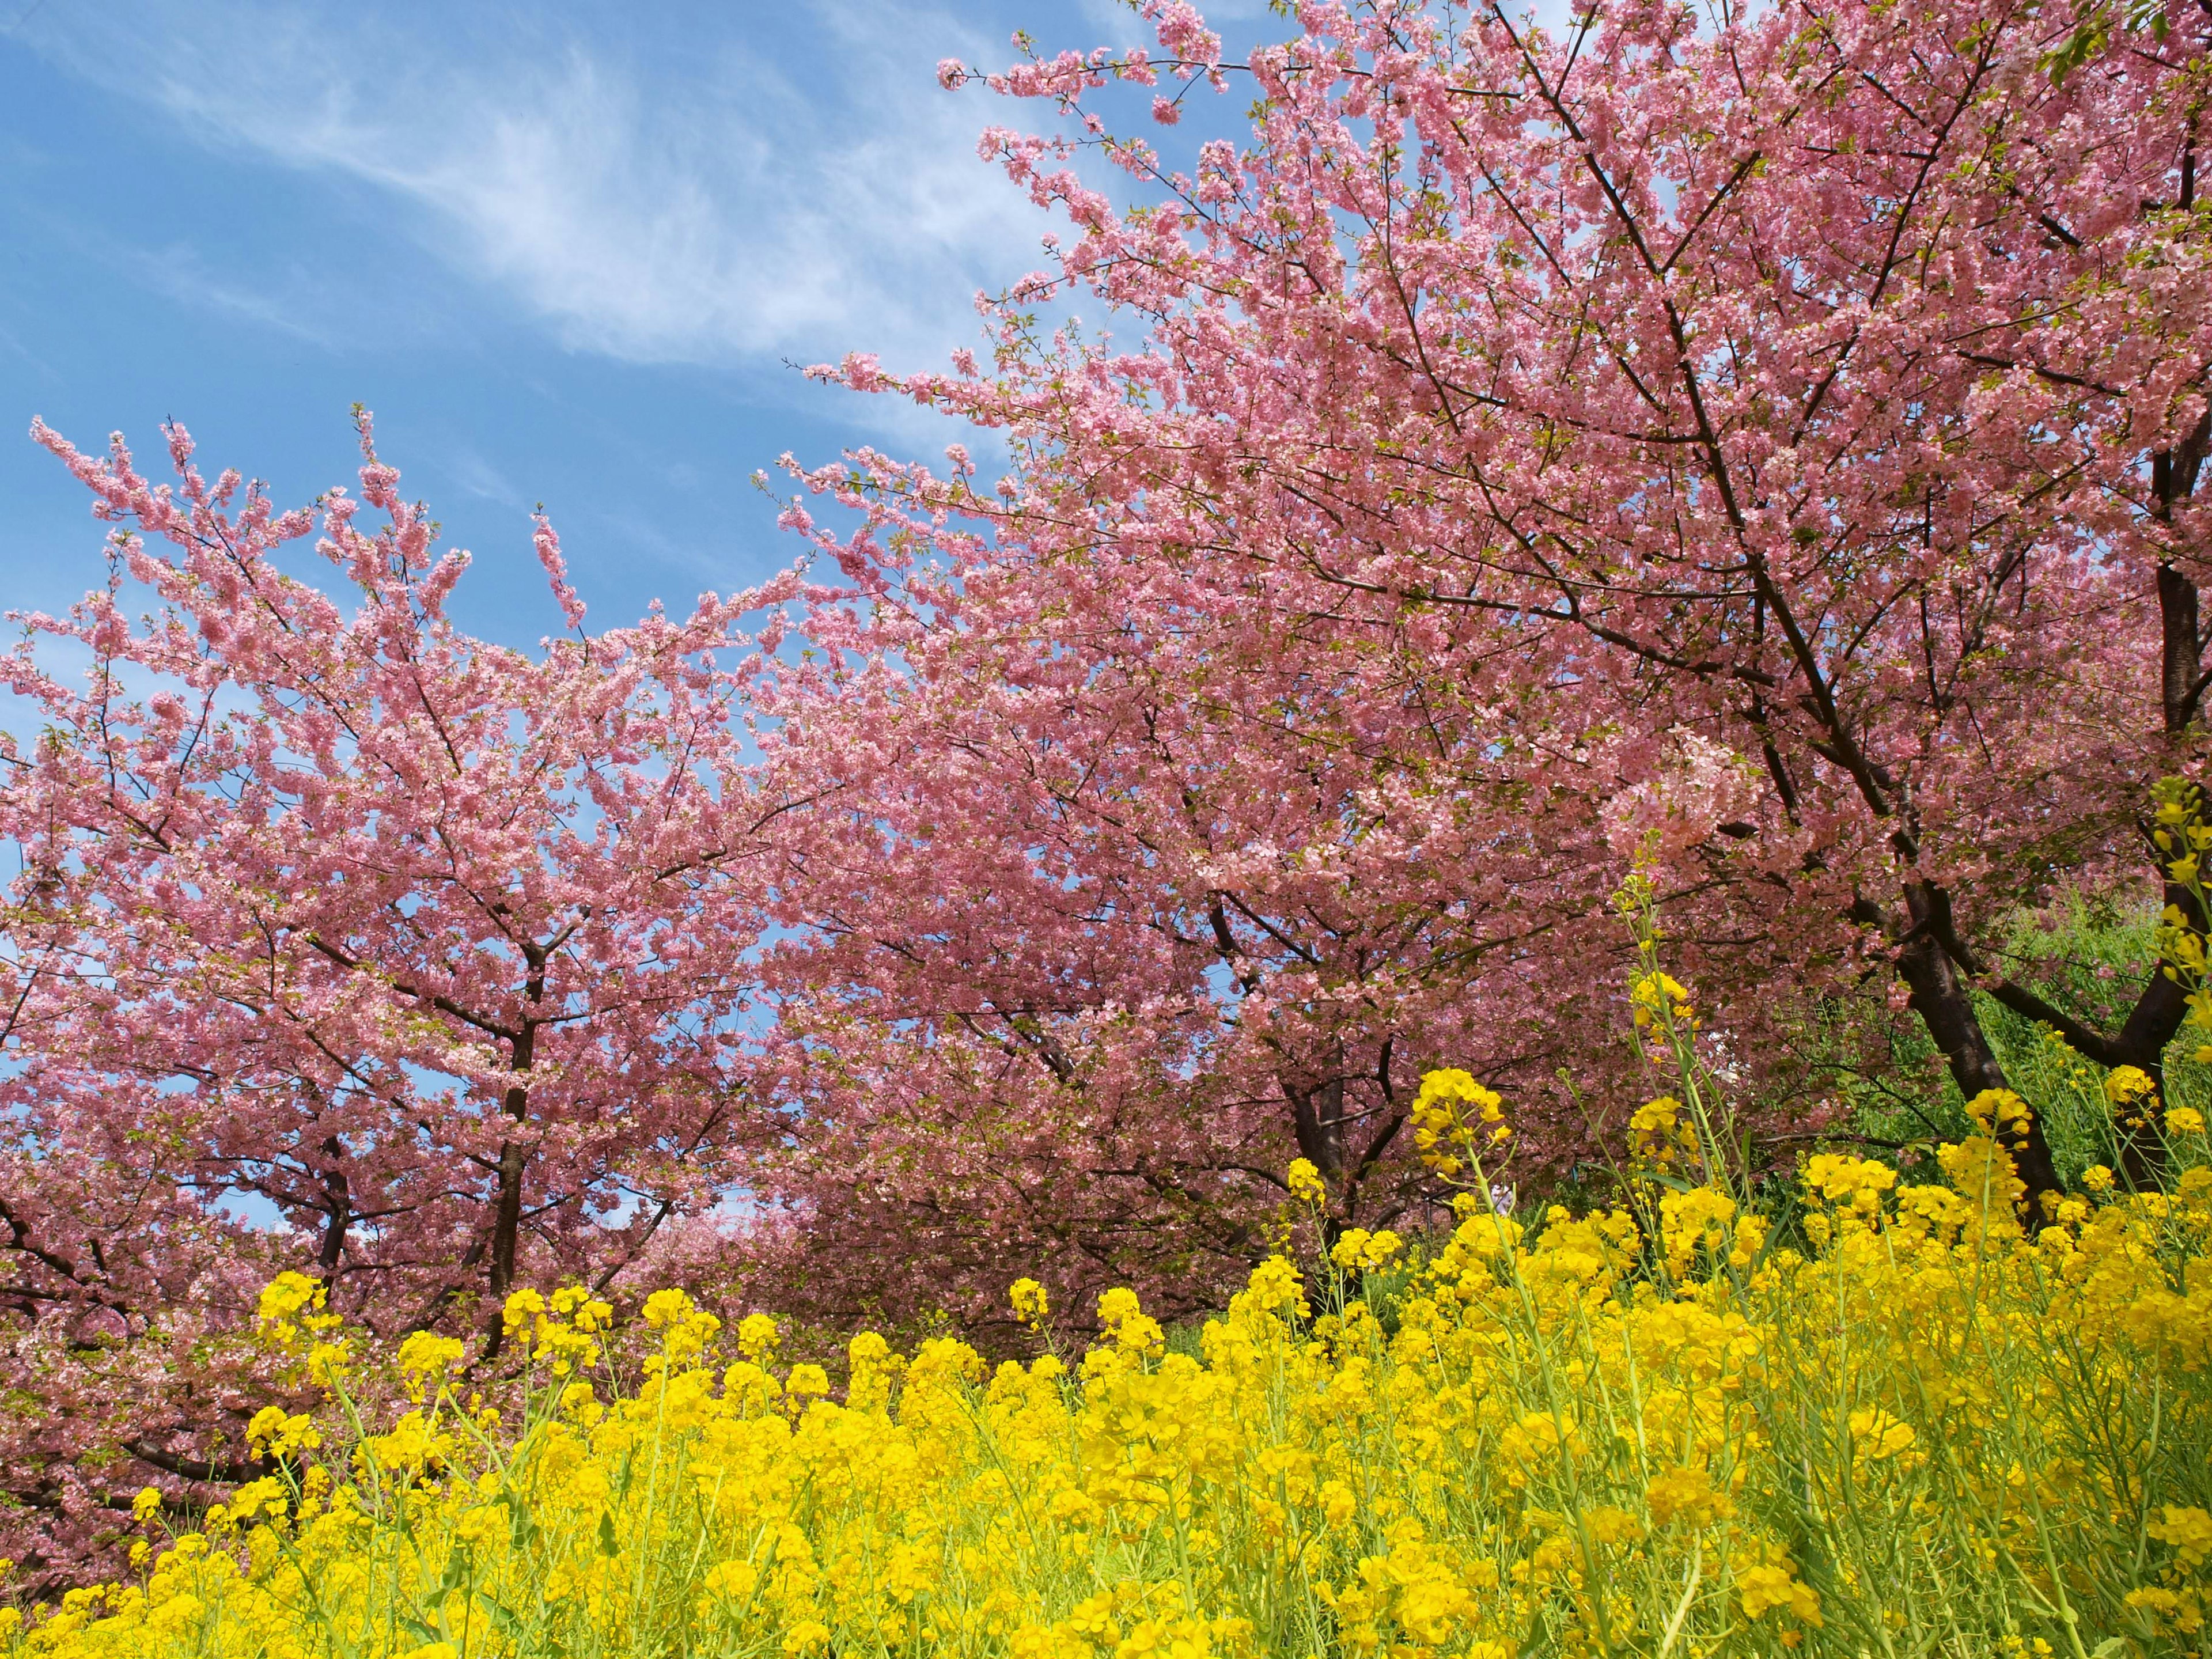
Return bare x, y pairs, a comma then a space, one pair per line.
438, 950
1769, 437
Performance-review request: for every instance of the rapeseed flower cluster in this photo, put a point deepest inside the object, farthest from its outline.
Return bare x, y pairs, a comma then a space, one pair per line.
1921, 1429
1454, 1119
2182, 833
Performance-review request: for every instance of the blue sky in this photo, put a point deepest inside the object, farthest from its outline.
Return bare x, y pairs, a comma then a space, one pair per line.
565, 252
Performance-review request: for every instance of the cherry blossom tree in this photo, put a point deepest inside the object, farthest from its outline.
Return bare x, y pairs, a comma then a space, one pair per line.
434, 949
1125, 888
1818, 391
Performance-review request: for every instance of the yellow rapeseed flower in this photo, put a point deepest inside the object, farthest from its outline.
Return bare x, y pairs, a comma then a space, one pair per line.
1566, 1431
1029, 1302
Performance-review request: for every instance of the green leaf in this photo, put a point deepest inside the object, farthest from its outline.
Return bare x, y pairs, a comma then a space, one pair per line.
510, 1624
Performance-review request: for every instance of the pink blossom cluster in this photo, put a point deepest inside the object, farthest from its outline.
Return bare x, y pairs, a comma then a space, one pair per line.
436, 948
1774, 433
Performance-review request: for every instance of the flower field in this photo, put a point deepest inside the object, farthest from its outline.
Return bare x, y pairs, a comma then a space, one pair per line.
1898, 1424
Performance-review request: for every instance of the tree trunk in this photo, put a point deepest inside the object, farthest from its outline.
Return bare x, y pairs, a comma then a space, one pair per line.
1317, 1120
2180, 649
1946, 1007
506, 1217
337, 1209
513, 1157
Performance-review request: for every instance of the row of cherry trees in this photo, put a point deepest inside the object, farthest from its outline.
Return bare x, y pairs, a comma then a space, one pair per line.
1768, 440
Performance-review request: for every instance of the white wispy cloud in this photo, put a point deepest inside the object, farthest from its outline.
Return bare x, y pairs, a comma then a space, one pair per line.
273, 300
466, 467
714, 205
